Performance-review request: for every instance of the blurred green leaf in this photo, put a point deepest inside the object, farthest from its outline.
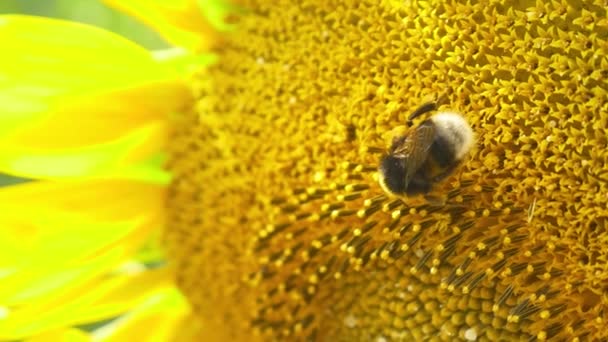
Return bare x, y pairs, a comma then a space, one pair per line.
91, 12
10, 180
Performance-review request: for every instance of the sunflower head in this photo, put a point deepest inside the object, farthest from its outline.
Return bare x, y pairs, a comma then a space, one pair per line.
278, 224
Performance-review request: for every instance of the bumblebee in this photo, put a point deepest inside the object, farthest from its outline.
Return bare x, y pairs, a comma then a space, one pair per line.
425, 154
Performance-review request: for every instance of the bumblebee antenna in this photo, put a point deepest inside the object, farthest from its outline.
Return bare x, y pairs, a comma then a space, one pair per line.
427, 107
423, 109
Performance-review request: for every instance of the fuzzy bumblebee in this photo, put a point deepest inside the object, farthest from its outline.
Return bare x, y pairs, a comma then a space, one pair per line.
425, 154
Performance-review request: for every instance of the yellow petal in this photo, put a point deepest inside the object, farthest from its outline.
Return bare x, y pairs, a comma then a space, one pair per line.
152, 170
97, 299
33, 278
100, 198
58, 242
31, 159
182, 60
78, 101
54, 233
124, 292
101, 117
181, 22
61, 335
158, 319
46, 60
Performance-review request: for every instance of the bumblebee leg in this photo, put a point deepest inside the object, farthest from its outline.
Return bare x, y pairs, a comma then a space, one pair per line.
439, 177
422, 186
418, 185
437, 201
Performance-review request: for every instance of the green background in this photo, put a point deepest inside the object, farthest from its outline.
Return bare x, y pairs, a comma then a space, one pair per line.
86, 11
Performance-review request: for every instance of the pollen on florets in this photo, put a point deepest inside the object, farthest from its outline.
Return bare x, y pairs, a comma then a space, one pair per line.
279, 229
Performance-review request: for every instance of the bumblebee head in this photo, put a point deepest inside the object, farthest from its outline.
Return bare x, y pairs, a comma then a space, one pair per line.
392, 175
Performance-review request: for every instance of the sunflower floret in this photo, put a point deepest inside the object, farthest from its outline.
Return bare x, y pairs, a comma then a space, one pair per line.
278, 223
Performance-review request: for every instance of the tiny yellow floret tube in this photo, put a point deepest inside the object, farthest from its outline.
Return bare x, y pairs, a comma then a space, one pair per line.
281, 232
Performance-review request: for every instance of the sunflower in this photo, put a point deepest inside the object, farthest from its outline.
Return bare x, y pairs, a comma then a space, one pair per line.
273, 222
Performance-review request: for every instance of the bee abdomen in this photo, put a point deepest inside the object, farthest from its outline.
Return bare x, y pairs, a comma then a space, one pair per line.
454, 136
393, 168
442, 151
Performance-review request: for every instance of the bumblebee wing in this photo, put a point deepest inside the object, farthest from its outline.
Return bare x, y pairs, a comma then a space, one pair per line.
415, 148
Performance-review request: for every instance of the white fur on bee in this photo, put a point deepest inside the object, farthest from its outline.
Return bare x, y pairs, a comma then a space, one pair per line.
456, 130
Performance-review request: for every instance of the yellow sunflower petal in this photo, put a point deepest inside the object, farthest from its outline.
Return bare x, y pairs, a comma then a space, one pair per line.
44, 60
124, 292
151, 170
34, 277
99, 298
31, 159
102, 199
181, 23
182, 60
79, 230
158, 319
79, 94
61, 335
102, 117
